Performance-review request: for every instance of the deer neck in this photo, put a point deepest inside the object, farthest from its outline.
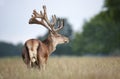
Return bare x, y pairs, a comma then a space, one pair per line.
50, 44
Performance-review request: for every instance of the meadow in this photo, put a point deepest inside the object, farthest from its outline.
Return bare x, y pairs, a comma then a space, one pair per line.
63, 68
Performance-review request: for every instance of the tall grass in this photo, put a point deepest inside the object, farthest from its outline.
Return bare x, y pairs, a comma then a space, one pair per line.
63, 68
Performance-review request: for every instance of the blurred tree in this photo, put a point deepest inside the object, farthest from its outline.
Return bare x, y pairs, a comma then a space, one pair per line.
113, 9
18, 50
101, 35
8, 49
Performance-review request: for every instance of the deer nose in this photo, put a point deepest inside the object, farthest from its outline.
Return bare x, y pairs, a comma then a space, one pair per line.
66, 40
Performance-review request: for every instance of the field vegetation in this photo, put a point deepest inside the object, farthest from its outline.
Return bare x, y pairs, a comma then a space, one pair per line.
63, 68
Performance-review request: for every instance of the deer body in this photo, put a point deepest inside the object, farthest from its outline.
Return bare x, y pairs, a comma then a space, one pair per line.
36, 52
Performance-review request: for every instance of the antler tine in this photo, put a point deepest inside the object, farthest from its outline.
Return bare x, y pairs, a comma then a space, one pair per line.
54, 20
51, 24
60, 25
33, 19
45, 16
37, 15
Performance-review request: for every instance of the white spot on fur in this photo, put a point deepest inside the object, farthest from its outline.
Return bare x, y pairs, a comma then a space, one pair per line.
33, 55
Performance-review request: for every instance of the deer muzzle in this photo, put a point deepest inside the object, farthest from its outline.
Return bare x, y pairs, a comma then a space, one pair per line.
66, 40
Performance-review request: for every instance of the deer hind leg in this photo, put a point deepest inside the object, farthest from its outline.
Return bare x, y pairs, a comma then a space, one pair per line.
26, 60
25, 56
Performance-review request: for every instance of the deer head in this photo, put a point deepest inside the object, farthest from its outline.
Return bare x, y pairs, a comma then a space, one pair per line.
42, 19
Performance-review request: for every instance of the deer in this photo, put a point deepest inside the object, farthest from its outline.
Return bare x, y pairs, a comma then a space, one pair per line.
36, 52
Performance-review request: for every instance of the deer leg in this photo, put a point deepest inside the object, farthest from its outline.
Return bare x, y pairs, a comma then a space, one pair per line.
26, 60
44, 66
28, 64
46, 58
45, 62
39, 62
39, 67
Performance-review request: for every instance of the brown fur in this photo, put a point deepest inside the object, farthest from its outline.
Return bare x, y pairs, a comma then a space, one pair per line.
42, 53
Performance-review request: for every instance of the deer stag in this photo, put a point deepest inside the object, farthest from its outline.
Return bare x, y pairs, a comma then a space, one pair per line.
36, 52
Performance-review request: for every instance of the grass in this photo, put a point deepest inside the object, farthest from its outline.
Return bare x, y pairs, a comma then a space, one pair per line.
63, 68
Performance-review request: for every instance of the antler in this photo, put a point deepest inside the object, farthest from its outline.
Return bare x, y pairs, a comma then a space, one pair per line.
60, 24
44, 20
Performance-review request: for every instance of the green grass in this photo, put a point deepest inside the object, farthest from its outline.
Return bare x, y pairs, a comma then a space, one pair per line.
63, 68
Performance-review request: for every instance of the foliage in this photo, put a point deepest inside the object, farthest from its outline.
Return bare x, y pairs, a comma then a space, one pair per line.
8, 49
101, 35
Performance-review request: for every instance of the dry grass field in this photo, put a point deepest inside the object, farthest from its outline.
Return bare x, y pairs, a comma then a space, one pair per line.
63, 68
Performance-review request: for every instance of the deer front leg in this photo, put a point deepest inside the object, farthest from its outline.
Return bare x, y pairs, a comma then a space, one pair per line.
45, 62
41, 63
44, 65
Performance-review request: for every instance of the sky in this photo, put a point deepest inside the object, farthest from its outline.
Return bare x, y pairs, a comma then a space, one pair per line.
15, 14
